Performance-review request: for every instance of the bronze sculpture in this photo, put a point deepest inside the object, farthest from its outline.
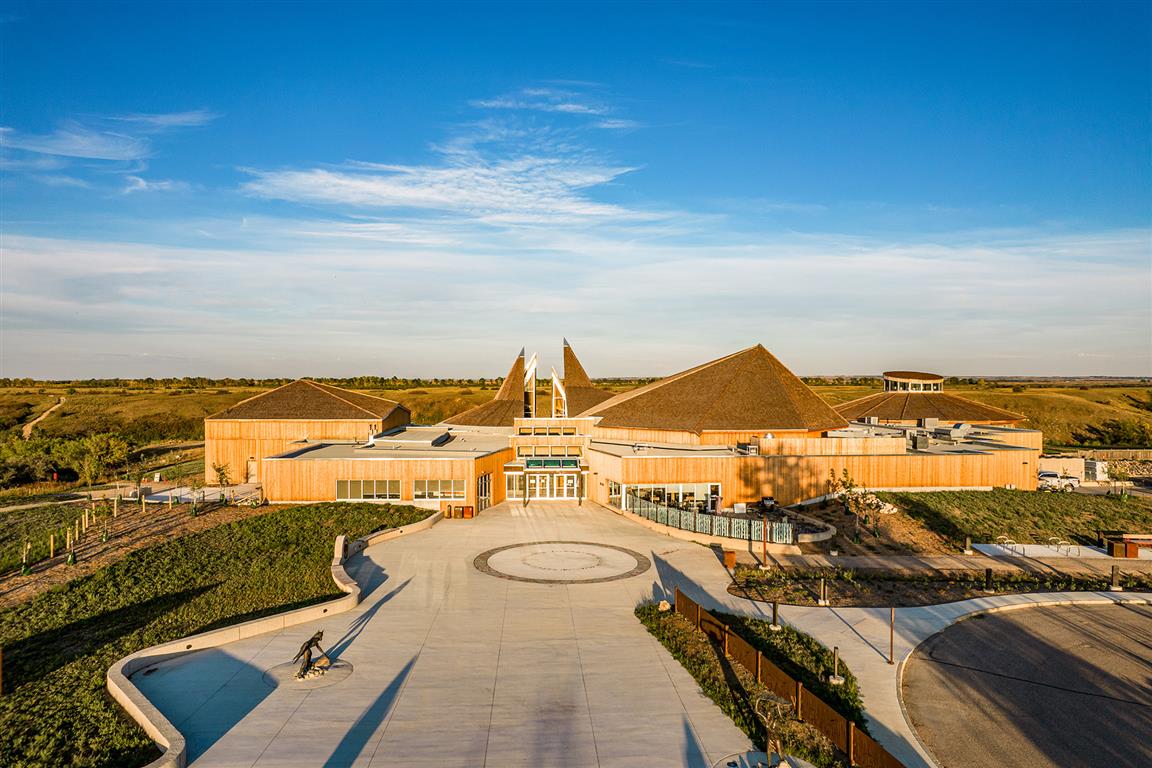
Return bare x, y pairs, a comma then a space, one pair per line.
304, 655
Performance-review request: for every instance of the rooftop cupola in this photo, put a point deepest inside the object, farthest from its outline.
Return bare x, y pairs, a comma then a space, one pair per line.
912, 381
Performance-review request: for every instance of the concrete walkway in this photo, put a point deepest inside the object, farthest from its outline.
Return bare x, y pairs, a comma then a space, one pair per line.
452, 666
863, 636
456, 666
1028, 558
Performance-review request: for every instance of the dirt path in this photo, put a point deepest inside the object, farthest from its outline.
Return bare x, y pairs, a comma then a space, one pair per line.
27, 430
130, 530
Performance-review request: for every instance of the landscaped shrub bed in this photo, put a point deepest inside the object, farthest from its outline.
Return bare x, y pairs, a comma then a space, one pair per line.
57, 647
1029, 517
860, 589
804, 658
733, 688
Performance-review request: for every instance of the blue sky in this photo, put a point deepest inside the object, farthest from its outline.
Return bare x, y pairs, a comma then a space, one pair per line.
223, 189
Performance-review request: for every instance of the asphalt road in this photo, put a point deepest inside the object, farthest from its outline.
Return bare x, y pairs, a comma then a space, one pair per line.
1035, 688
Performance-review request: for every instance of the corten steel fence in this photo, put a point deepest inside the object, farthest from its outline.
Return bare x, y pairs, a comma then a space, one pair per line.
862, 750
748, 529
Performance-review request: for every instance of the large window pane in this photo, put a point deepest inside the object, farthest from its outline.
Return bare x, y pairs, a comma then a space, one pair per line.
341, 489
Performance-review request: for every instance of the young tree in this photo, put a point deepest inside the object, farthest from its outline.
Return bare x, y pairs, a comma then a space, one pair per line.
195, 483
223, 478
1118, 477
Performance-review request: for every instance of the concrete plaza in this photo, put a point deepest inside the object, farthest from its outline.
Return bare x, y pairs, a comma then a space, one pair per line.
458, 666
454, 666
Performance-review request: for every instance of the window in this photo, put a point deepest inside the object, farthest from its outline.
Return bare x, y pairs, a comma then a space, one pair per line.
694, 496
514, 484
357, 490
568, 431
438, 489
614, 494
524, 431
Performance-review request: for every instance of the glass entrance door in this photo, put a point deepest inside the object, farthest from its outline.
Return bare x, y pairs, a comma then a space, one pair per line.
483, 492
567, 486
543, 486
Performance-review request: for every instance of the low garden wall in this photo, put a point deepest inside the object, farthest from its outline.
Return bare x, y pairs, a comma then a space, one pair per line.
153, 721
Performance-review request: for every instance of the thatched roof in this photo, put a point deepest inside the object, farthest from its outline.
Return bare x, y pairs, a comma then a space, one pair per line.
913, 406
502, 409
307, 399
582, 393
750, 390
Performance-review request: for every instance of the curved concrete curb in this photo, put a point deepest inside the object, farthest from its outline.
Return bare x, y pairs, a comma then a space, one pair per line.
158, 727
1101, 598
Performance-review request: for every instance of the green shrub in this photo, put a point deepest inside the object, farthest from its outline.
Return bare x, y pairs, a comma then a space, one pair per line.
58, 646
730, 686
804, 658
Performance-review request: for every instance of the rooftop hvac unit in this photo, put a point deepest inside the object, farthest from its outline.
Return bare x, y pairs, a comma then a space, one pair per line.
921, 442
871, 420
748, 449
930, 423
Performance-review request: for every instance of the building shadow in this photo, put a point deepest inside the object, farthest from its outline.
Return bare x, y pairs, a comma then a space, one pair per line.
694, 756
361, 621
360, 732
37, 655
1069, 685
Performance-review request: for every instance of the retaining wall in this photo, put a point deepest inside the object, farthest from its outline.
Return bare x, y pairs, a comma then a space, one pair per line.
153, 721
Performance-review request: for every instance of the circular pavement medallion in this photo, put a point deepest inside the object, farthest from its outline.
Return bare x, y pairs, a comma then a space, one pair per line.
285, 674
562, 562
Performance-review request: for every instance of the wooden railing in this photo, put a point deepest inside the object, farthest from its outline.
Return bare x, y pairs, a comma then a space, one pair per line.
862, 750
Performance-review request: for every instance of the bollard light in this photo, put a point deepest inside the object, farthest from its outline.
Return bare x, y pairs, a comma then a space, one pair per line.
836, 678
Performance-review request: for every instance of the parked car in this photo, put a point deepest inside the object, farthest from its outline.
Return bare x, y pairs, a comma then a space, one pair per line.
1054, 481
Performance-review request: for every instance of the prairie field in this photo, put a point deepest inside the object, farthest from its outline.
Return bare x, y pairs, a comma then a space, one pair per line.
144, 416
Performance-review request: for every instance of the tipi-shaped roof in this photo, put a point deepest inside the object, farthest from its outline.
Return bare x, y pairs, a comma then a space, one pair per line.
502, 410
582, 393
750, 390
913, 406
307, 399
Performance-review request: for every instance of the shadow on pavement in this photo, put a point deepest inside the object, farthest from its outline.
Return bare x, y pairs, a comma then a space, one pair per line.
362, 730
361, 621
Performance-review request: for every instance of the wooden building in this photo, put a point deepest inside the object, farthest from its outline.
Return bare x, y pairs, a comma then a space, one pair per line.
732, 430
243, 436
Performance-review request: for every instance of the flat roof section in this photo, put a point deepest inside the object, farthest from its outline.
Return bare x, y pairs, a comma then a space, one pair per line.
458, 445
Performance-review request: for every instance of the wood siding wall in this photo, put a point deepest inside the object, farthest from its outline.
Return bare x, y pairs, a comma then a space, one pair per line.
832, 446
235, 441
315, 479
795, 478
677, 437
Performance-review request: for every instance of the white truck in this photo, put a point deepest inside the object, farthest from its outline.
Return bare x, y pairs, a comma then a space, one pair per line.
1054, 481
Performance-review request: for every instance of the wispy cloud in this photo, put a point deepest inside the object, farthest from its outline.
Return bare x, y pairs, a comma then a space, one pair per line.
617, 124
325, 315
138, 184
168, 120
75, 140
496, 171
60, 180
544, 100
